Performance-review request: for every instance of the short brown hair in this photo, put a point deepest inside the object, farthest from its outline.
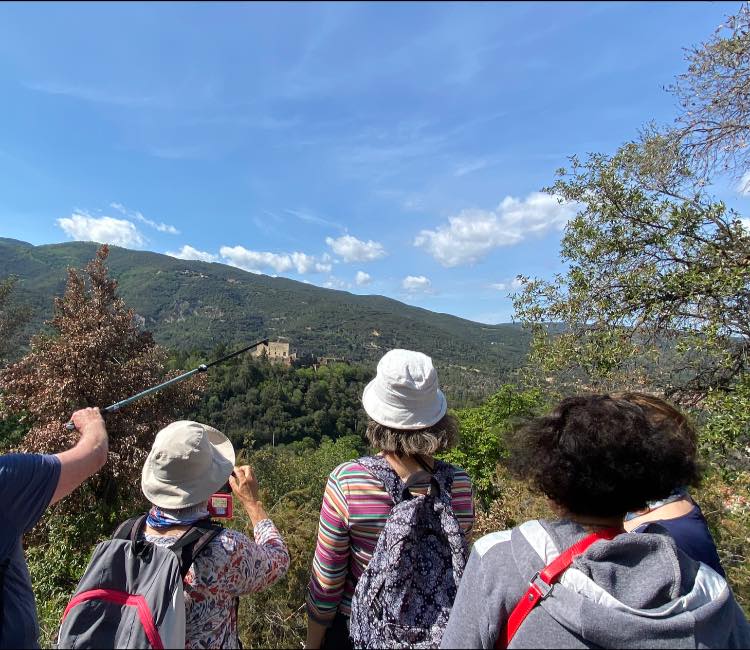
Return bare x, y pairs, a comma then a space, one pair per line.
662, 415
441, 436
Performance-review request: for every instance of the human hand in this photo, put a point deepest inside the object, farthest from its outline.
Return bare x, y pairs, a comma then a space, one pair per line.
244, 484
88, 420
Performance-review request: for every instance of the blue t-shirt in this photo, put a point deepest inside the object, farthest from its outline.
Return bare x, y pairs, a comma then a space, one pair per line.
691, 534
27, 483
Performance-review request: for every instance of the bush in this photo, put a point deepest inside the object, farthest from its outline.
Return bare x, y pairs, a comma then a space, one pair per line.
292, 480
481, 436
724, 498
725, 435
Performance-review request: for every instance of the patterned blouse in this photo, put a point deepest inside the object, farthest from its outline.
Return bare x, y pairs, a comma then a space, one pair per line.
230, 566
354, 511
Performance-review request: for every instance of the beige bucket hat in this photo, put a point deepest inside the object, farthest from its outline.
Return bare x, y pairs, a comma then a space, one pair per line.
405, 392
187, 463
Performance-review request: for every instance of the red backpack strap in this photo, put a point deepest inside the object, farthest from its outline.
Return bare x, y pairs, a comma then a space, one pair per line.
542, 582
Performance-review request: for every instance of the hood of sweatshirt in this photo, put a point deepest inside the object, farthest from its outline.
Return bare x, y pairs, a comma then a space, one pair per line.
636, 588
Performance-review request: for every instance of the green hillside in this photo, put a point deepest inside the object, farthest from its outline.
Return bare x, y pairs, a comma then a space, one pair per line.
191, 305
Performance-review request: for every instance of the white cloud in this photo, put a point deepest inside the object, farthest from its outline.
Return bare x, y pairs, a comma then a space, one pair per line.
745, 224
336, 283
472, 234
305, 263
243, 258
352, 249
161, 227
187, 252
362, 279
416, 283
513, 284
743, 187
105, 230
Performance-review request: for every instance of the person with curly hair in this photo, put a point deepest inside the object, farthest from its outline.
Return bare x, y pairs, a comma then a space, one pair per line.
581, 581
408, 425
678, 513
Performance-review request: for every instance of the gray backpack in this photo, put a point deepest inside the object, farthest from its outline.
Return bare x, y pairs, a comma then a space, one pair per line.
405, 594
131, 595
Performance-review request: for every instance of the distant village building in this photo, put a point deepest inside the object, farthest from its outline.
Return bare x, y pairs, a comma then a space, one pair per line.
276, 351
324, 361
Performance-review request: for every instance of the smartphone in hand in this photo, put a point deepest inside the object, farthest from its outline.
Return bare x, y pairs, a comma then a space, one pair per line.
220, 504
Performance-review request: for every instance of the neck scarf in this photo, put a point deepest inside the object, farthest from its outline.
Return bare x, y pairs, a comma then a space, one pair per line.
159, 518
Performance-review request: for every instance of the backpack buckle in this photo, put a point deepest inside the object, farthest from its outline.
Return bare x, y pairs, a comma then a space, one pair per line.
544, 588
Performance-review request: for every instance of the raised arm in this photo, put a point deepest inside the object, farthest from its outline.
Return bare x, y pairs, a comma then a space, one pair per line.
257, 565
87, 457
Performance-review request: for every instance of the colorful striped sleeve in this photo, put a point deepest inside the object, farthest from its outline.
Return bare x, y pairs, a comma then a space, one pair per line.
462, 499
331, 559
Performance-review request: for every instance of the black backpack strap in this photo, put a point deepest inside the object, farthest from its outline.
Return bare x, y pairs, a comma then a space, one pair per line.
187, 547
423, 464
129, 529
192, 542
420, 478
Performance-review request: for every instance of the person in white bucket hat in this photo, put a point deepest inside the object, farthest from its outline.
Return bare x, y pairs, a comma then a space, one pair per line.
408, 424
189, 462
405, 394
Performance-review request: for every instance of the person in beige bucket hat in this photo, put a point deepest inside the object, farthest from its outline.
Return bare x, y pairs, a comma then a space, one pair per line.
189, 462
408, 425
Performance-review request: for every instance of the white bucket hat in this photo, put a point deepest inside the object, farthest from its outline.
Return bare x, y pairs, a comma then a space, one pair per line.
405, 392
187, 463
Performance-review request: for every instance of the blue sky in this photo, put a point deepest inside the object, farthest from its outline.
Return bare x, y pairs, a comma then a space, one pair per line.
391, 148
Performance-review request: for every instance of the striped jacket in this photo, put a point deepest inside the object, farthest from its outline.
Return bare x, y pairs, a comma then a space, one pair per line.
354, 511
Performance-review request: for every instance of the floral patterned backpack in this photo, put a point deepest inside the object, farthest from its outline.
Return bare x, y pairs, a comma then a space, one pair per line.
404, 597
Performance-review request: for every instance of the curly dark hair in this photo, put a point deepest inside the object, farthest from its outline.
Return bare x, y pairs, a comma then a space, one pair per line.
601, 457
662, 415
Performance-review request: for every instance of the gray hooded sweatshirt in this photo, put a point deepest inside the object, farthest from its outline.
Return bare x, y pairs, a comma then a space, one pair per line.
636, 591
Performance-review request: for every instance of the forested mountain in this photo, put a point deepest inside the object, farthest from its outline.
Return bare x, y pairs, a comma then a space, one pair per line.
191, 305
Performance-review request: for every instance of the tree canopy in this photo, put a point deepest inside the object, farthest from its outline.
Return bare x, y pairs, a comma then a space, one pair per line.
94, 355
714, 95
657, 287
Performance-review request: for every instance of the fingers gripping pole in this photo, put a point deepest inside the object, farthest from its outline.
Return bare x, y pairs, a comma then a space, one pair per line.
113, 408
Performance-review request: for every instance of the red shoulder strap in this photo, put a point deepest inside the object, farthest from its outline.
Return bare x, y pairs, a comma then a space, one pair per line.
541, 584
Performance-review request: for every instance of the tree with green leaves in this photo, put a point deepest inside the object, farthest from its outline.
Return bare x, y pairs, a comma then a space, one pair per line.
657, 289
482, 428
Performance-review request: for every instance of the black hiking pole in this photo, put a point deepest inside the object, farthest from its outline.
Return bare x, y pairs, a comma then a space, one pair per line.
201, 368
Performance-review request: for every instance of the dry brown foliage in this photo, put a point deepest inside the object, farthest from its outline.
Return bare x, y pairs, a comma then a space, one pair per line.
95, 355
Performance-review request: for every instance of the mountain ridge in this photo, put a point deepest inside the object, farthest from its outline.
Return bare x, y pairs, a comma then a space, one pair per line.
195, 305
